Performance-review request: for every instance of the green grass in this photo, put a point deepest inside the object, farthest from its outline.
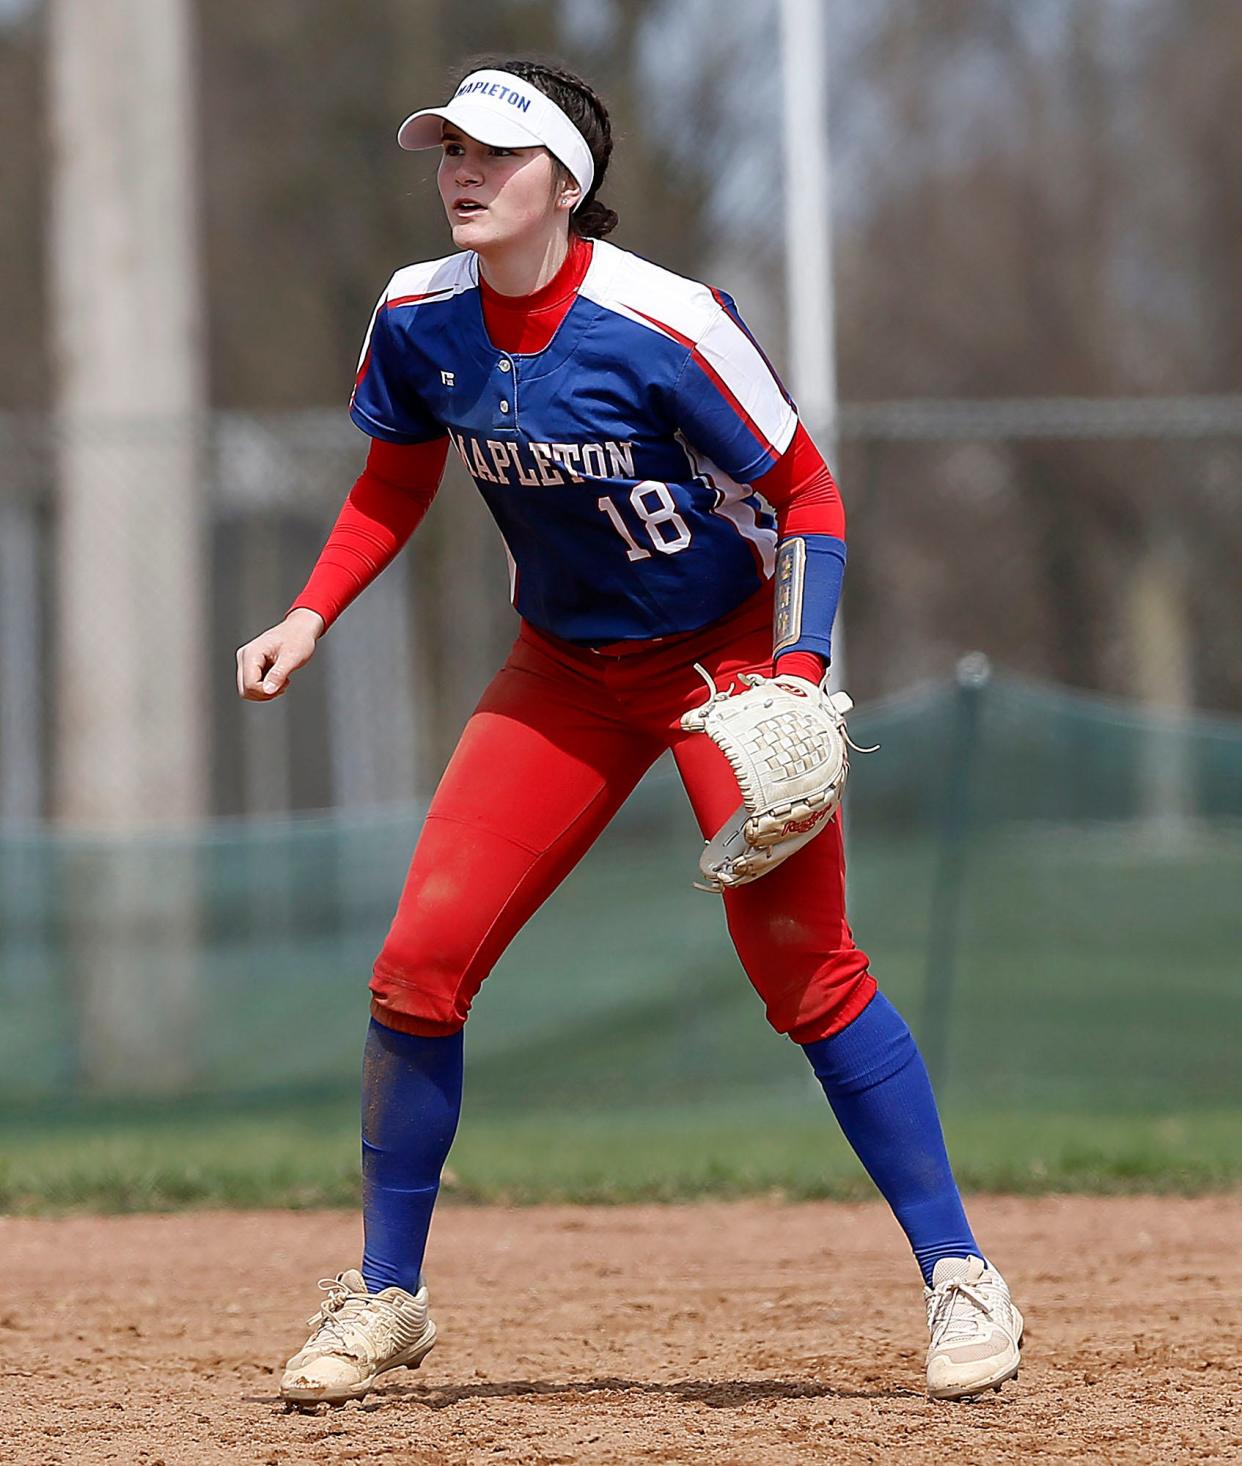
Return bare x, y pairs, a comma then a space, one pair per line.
303, 1153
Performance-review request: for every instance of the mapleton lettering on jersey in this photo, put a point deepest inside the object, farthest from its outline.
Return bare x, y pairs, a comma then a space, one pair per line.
540, 465
494, 89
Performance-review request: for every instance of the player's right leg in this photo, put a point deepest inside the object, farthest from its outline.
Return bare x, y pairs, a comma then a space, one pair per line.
542, 766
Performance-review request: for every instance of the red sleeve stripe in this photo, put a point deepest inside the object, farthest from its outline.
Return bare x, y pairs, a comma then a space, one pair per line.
714, 376
414, 299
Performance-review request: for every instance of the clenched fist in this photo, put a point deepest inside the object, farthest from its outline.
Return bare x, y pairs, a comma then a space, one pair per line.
265, 664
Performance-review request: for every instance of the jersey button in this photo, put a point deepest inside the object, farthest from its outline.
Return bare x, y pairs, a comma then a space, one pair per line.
504, 404
505, 364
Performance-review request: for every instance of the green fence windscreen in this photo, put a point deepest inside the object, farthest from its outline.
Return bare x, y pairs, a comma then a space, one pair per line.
1050, 887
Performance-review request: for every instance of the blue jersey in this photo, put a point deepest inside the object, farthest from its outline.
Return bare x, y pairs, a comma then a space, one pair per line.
617, 461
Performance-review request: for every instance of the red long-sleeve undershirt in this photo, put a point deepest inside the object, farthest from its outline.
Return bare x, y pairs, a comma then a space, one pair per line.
384, 508
399, 481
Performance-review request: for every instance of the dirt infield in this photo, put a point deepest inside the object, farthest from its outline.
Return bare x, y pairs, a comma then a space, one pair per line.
742, 1333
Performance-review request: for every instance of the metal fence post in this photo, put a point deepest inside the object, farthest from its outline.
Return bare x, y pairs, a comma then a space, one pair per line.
974, 673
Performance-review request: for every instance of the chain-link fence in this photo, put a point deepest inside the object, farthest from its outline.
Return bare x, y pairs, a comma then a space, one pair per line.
1060, 933
1090, 544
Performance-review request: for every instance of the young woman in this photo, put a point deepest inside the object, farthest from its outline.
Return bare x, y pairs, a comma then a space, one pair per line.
628, 436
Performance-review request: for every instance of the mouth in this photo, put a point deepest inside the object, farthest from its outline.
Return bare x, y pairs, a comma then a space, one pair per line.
466, 208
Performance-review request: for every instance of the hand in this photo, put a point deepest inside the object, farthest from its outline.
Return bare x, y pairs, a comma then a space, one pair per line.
785, 739
265, 664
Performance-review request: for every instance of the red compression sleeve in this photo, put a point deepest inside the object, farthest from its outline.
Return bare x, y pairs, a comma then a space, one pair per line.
802, 490
383, 509
800, 664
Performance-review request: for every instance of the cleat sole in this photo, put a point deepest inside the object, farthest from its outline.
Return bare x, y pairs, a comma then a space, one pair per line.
969, 1392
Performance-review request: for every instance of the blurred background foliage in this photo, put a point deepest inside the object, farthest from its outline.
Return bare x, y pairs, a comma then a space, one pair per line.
1031, 201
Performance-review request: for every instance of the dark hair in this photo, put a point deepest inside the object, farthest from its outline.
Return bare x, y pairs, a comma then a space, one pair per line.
582, 105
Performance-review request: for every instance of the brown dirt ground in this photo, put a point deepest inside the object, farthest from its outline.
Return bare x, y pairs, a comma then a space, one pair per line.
756, 1332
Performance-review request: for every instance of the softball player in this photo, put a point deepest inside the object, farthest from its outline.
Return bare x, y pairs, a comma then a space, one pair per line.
646, 470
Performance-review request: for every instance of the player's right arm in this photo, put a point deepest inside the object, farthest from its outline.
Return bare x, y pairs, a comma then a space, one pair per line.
383, 509
265, 664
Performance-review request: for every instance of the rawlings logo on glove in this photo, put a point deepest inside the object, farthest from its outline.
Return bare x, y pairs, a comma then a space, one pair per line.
786, 742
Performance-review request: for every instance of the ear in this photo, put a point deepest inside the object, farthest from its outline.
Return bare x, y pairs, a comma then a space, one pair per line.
568, 195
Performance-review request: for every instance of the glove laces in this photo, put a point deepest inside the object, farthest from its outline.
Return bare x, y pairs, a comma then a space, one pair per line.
714, 693
753, 679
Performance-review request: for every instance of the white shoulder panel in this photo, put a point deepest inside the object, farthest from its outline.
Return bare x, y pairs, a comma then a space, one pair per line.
448, 276
646, 293
686, 311
729, 352
436, 279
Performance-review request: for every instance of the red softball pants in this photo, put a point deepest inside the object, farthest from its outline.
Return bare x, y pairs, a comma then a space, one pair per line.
556, 745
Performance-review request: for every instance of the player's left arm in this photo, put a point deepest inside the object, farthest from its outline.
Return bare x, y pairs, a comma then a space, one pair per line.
732, 405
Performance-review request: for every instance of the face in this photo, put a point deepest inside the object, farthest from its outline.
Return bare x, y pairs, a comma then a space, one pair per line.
496, 196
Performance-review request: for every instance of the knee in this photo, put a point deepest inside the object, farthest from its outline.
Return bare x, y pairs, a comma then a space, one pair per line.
420, 986
429, 968
827, 1003
795, 943
808, 994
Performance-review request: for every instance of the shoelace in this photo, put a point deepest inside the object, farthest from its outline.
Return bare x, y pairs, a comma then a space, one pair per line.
343, 1313
947, 1323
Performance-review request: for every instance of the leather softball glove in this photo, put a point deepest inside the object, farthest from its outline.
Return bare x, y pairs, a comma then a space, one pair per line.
786, 742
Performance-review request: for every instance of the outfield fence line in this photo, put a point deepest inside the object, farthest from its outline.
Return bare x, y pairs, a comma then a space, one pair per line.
1055, 938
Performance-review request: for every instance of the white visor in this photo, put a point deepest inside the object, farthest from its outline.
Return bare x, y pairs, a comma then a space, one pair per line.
503, 111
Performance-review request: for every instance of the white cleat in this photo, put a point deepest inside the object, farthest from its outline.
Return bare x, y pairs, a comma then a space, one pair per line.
976, 1332
356, 1337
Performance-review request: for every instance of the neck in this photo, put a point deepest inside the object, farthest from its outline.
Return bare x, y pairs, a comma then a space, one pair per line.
524, 266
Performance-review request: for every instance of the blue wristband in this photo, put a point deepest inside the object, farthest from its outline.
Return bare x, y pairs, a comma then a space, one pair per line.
809, 572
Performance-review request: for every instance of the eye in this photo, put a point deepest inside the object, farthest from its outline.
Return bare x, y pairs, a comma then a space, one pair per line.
503, 152
453, 150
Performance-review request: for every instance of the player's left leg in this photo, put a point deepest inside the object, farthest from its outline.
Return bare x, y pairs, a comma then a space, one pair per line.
792, 935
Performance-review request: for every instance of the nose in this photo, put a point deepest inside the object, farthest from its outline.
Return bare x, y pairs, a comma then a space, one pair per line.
467, 172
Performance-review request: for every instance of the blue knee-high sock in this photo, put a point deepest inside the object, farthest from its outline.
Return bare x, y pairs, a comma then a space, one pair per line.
877, 1085
411, 1100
